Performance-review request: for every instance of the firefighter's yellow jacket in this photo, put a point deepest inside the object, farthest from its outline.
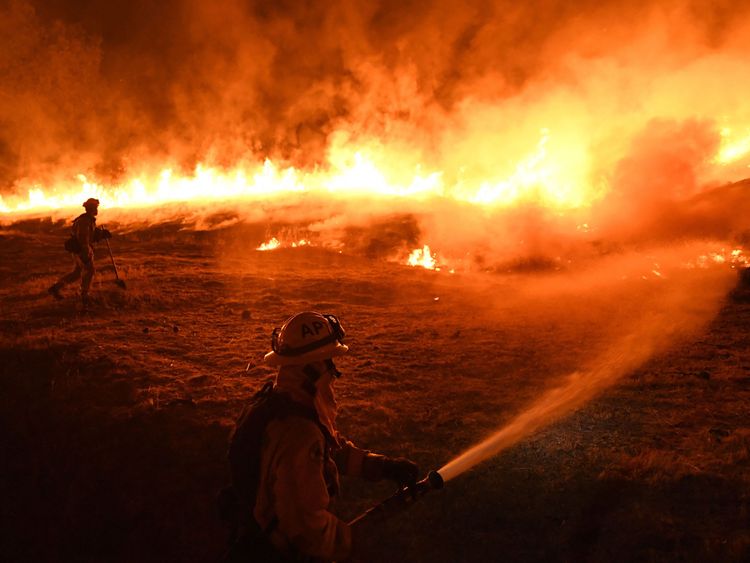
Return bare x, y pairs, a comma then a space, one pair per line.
300, 463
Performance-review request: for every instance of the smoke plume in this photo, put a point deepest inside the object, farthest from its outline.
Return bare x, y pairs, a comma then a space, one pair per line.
102, 86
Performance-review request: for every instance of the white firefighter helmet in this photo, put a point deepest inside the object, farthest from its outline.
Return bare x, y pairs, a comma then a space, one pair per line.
306, 337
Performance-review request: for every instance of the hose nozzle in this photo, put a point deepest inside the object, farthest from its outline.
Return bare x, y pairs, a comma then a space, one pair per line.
403, 498
433, 481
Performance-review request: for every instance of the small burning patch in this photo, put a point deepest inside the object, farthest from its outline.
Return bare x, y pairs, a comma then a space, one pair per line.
274, 243
270, 245
735, 258
423, 257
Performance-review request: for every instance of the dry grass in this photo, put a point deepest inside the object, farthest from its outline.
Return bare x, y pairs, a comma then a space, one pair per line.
116, 421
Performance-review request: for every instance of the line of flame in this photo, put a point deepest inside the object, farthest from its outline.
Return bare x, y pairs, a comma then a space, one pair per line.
538, 177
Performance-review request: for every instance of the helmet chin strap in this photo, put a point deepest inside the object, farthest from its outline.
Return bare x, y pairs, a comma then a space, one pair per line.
313, 374
312, 378
332, 368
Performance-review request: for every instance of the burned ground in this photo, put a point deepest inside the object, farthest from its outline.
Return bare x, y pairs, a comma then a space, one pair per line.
114, 423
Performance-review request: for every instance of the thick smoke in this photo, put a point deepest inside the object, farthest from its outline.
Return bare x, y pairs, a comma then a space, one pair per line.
101, 86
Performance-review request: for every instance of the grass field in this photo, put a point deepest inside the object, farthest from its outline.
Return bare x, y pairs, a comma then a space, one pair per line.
115, 422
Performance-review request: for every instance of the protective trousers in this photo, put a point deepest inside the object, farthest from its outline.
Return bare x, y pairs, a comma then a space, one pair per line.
84, 269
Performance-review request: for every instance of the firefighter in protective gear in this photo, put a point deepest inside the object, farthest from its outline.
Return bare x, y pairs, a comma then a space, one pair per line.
301, 456
84, 234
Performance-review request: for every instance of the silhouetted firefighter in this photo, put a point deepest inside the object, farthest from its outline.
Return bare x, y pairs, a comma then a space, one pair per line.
285, 454
84, 234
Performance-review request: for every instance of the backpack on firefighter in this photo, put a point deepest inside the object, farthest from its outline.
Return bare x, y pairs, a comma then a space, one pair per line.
72, 244
237, 501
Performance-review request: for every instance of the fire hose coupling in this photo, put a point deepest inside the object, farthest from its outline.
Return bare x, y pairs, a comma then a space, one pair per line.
402, 499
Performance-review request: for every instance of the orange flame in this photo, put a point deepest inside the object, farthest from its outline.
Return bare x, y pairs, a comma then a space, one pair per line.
423, 257
270, 245
734, 258
555, 180
557, 173
733, 147
275, 243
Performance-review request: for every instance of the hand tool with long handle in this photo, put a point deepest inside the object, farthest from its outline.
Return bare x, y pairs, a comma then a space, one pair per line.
118, 281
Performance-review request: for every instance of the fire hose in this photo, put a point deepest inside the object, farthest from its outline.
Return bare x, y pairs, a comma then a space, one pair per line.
403, 498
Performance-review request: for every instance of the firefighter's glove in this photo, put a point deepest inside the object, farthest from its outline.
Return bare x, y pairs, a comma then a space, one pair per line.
400, 470
104, 234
